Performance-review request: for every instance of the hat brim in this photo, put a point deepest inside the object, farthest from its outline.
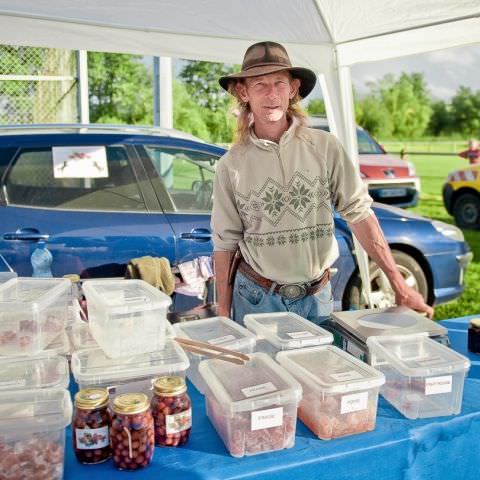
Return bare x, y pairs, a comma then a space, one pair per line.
307, 77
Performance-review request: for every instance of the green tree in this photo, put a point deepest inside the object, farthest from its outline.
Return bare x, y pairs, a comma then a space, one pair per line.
441, 119
201, 82
316, 107
372, 115
465, 108
120, 89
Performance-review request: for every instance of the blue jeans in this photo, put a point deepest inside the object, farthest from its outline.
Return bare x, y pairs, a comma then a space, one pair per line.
249, 297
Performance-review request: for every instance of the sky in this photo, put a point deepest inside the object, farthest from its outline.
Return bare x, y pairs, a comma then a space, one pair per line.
444, 70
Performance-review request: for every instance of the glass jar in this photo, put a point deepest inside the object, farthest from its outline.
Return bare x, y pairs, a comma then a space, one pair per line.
172, 411
474, 335
91, 423
132, 432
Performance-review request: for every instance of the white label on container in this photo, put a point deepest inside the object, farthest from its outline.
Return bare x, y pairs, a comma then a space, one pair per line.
13, 383
429, 361
259, 389
345, 376
354, 402
303, 334
224, 339
178, 422
92, 438
435, 385
272, 417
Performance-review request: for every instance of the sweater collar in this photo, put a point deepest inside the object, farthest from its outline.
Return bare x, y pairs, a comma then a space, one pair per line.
268, 144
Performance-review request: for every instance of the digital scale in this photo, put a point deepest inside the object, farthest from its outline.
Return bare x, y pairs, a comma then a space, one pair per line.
352, 328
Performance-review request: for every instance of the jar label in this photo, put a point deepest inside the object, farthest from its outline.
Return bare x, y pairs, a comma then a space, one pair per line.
435, 385
272, 417
354, 402
259, 389
92, 438
178, 422
303, 334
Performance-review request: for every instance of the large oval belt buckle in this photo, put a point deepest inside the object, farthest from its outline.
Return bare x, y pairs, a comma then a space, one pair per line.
293, 291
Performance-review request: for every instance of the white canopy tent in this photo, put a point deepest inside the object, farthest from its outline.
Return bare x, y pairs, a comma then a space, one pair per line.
325, 35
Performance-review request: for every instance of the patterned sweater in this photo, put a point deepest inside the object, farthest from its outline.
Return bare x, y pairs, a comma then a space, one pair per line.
275, 202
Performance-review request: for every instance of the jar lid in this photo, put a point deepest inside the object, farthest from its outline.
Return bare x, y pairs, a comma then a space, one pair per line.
475, 322
130, 403
89, 398
169, 386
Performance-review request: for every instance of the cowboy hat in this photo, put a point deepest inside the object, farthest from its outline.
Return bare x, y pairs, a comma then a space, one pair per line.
269, 57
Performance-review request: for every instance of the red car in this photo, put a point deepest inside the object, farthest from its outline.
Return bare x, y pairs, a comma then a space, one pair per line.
390, 180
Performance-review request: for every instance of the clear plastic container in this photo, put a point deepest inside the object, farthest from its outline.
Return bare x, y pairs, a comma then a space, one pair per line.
81, 337
32, 433
92, 368
285, 331
340, 393
126, 317
32, 313
423, 378
253, 407
21, 373
218, 331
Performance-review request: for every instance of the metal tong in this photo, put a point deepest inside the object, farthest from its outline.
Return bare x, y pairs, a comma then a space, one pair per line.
212, 351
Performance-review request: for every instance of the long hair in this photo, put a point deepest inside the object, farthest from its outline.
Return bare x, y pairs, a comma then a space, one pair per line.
245, 119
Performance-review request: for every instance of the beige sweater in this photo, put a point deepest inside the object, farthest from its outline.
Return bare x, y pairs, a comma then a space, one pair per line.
275, 202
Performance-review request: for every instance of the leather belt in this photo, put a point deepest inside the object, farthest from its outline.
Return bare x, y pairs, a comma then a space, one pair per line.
292, 291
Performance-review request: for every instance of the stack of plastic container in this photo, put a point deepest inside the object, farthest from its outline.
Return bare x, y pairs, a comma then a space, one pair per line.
218, 331
423, 378
35, 406
126, 342
277, 332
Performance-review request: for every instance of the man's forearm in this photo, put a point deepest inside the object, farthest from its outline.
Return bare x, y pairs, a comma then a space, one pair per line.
224, 289
370, 235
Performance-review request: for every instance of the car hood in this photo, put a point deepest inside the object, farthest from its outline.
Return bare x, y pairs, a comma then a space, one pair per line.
379, 160
383, 211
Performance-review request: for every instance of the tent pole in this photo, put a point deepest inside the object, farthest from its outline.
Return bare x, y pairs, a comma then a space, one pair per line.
162, 92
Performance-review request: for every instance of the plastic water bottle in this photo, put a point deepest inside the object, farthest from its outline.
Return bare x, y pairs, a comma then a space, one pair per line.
41, 261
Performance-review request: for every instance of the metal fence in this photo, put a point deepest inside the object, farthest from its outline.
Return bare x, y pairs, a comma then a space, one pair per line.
37, 85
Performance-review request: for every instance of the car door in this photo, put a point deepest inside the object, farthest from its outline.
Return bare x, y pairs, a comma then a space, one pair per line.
94, 224
182, 176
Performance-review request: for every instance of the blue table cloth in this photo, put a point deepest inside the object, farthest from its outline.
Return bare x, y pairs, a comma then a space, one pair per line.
435, 448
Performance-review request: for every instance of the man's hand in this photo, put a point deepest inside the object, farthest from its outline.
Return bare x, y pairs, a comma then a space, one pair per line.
370, 235
408, 297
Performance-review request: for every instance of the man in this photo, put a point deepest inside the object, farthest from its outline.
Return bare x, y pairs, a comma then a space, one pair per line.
273, 197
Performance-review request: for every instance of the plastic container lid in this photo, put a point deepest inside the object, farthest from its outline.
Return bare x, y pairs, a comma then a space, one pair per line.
219, 331
122, 297
92, 367
416, 355
20, 373
32, 411
34, 293
330, 369
259, 383
287, 330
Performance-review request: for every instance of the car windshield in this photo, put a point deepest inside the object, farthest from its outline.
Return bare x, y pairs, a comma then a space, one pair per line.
366, 144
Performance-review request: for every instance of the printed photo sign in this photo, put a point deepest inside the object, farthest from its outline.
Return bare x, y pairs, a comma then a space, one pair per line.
79, 162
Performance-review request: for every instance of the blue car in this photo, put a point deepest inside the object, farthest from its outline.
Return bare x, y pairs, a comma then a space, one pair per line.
102, 195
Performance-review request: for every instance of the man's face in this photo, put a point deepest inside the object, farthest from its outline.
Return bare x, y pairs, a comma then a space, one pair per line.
269, 95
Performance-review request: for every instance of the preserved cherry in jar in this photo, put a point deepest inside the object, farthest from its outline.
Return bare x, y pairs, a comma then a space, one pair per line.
172, 411
91, 424
132, 432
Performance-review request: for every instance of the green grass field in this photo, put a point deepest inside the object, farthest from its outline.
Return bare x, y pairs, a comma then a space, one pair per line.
433, 170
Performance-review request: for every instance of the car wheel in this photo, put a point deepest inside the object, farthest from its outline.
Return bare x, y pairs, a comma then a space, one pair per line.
383, 295
466, 211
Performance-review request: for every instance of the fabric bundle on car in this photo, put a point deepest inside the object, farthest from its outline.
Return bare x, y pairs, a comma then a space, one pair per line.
154, 270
